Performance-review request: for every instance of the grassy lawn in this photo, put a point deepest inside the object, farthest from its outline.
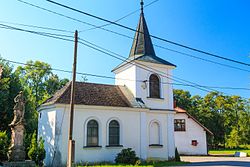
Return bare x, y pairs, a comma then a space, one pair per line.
154, 164
226, 152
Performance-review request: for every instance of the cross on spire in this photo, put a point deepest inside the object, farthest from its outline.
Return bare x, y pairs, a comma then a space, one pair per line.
142, 3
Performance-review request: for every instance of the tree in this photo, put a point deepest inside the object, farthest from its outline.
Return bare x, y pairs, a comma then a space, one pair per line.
54, 83
34, 75
4, 143
36, 150
182, 99
39, 81
233, 140
9, 88
39, 84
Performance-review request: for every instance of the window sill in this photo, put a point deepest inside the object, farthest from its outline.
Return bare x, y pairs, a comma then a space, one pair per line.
156, 145
114, 146
179, 131
155, 98
92, 146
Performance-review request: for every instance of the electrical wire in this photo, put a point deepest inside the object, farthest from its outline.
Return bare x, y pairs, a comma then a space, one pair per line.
50, 35
153, 36
34, 26
123, 17
126, 36
113, 78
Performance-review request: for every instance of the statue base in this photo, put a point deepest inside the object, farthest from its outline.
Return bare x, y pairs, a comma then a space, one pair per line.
19, 164
17, 150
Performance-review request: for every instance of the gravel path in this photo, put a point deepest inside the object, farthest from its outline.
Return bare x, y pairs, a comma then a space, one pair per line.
216, 161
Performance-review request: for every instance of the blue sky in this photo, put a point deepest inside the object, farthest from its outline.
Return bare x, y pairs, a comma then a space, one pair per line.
220, 27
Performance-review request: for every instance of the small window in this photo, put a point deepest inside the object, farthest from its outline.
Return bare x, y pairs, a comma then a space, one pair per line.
114, 133
179, 125
154, 86
92, 133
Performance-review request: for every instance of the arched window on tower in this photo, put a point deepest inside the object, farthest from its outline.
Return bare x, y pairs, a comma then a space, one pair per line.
154, 86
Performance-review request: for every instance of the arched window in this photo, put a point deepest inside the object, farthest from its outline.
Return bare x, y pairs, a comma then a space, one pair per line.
154, 86
92, 133
114, 133
154, 134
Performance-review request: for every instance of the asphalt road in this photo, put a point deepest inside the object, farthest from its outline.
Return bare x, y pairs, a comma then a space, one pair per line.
216, 161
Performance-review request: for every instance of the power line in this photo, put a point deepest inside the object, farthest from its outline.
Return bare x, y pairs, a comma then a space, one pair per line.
126, 36
196, 57
193, 85
153, 36
34, 26
130, 62
113, 78
123, 17
56, 37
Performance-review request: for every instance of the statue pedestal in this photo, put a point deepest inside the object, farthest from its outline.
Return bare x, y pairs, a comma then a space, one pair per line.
17, 150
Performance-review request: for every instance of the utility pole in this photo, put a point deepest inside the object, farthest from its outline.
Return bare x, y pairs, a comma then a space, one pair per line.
71, 143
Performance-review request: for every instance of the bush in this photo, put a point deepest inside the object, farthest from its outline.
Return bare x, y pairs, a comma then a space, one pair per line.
177, 156
36, 150
3, 146
126, 156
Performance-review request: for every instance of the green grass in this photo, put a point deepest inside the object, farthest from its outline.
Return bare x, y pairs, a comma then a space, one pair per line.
150, 164
115, 166
228, 151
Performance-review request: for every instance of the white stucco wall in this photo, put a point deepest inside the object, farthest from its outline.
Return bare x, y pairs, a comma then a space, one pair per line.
138, 73
46, 130
194, 131
134, 122
134, 127
157, 152
127, 76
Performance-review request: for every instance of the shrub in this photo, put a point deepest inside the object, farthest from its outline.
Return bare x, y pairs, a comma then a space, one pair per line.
3, 146
36, 150
126, 156
177, 156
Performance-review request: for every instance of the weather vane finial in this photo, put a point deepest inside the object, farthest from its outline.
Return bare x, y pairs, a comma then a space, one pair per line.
142, 6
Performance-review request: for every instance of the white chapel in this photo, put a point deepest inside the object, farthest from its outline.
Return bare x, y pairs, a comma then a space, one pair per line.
137, 112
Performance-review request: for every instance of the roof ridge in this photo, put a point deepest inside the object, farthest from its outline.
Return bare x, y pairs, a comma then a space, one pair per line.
79, 82
64, 89
58, 94
123, 95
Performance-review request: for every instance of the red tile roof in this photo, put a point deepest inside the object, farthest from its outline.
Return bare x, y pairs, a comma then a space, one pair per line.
91, 94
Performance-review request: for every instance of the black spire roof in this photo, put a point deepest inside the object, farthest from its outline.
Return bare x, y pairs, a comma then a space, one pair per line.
142, 44
142, 47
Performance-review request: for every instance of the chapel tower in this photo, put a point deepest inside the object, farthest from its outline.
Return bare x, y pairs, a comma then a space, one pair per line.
143, 73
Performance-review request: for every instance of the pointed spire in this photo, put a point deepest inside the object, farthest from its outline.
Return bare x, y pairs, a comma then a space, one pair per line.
142, 44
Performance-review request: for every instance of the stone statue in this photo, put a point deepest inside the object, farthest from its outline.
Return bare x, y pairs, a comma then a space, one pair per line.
19, 109
17, 149
16, 153
1, 71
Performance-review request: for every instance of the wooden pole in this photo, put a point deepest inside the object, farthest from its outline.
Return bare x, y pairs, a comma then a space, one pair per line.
72, 102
